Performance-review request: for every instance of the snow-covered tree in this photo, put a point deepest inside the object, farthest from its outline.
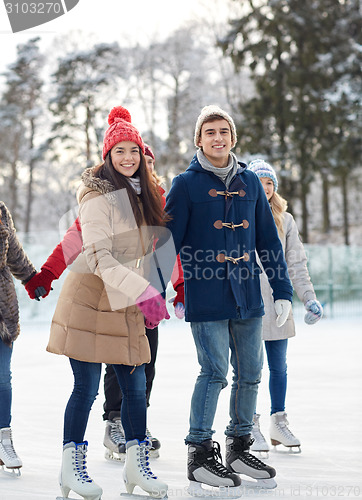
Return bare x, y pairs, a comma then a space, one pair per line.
20, 110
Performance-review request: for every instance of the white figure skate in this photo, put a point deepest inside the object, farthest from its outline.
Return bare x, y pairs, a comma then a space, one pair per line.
9, 460
281, 434
137, 471
74, 475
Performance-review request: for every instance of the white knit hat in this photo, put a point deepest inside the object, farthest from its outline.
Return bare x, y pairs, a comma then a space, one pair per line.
214, 110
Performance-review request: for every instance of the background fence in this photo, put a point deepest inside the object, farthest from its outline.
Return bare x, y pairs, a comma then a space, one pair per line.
336, 273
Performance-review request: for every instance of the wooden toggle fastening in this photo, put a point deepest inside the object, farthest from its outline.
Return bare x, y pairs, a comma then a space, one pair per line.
222, 258
219, 224
226, 193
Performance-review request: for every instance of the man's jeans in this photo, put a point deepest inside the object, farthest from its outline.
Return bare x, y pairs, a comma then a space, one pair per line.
276, 351
132, 381
213, 340
5, 385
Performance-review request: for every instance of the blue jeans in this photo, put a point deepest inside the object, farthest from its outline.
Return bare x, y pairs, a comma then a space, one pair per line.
132, 381
5, 385
276, 351
213, 339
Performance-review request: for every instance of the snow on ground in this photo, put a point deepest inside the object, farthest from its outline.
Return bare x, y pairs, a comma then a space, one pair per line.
324, 408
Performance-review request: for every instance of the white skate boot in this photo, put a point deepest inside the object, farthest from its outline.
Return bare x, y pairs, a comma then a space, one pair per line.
281, 434
137, 470
74, 475
115, 441
259, 443
8, 457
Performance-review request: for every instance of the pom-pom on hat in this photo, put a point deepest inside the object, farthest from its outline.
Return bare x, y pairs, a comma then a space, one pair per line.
262, 169
120, 129
148, 151
206, 113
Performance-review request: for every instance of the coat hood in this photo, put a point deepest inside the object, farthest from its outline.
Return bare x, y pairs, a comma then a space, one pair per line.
90, 182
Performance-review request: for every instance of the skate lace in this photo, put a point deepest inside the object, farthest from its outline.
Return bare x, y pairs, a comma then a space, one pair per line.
81, 463
214, 461
284, 429
258, 436
117, 433
7, 444
247, 457
148, 434
144, 458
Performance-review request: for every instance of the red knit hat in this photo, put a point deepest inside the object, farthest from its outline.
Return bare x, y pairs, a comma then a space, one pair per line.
120, 129
149, 152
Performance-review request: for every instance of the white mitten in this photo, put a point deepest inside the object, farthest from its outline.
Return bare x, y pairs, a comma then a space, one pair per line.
282, 308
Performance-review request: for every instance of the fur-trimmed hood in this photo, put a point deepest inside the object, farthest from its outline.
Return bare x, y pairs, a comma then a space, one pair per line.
90, 182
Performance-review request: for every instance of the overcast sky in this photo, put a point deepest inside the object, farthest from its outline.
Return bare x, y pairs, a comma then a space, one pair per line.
137, 20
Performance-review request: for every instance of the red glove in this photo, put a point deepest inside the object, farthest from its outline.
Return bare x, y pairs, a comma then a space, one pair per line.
179, 301
40, 284
180, 295
153, 306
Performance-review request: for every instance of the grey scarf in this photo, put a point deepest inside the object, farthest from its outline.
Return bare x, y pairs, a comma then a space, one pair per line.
226, 174
135, 183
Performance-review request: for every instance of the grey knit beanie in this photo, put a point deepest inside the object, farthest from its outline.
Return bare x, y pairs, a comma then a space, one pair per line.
213, 110
262, 169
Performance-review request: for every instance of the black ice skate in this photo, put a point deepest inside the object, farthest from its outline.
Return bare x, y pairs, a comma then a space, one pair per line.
204, 466
238, 459
114, 440
155, 445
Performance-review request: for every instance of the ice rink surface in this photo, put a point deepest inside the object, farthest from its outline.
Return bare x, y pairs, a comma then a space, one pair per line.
324, 407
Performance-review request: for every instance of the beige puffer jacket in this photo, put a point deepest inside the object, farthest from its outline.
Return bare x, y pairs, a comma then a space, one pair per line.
96, 319
297, 267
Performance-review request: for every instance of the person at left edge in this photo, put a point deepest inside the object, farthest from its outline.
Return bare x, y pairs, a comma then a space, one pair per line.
13, 262
105, 303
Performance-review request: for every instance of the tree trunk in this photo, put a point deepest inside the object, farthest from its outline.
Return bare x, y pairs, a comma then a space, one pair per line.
87, 125
325, 204
29, 202
13, 205
344, 180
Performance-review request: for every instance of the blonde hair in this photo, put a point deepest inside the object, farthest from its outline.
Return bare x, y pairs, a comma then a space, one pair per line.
278, 207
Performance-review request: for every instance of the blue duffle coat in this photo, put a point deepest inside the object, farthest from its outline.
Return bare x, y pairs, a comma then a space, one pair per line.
217, 231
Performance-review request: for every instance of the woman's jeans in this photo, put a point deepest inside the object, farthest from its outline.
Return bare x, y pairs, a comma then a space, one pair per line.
132, 381
5, 385
213, 339
276, 351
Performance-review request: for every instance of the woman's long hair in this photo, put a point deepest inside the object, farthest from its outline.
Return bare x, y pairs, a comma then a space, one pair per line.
150, 196
278, 207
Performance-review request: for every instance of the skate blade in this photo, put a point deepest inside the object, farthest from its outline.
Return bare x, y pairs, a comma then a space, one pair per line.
197, 490
112, 456
154, 453
70, 498
265, 484
135, 496
295, 450
10, 471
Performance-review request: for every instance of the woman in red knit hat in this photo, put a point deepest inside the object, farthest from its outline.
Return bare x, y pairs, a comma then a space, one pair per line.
105, 302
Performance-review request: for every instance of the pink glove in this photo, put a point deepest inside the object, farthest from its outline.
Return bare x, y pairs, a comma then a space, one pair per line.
153, 307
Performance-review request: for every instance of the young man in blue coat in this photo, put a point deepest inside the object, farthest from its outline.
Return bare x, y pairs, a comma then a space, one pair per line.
219, 219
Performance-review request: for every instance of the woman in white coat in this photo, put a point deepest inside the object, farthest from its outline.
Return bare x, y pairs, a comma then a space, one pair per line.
276, 338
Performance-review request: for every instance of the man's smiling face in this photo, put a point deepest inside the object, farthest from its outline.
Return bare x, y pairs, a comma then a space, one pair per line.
215, 142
